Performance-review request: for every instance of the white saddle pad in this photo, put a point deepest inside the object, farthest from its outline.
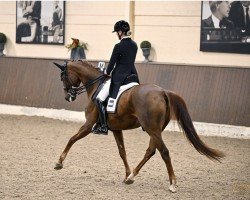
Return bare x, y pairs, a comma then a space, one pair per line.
112, 103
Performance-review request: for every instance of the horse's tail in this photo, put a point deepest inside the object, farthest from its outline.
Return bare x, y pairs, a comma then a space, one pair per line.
179, 109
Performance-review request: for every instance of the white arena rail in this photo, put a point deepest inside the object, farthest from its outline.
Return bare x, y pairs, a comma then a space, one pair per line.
206, 129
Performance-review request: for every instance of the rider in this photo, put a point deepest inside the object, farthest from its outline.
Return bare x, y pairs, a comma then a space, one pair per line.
122, 70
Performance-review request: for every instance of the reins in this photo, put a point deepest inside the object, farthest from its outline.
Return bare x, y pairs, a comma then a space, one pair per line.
83, 88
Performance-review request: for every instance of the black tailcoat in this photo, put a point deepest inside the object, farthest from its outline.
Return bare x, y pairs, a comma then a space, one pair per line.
122, 65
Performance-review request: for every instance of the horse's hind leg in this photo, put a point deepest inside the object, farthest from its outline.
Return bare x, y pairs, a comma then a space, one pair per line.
166, 157
84, 131
149, 153
120, 144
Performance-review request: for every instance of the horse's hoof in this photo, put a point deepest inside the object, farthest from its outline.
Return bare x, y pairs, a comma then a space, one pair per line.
172, 188
129, 181
58, 166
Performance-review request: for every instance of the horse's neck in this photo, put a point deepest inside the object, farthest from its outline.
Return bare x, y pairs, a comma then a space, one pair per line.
86, 76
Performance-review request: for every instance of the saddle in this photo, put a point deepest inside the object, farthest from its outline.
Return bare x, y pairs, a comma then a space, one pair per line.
112, 103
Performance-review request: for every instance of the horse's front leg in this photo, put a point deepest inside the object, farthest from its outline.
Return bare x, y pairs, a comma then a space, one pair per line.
84, 131
120, 144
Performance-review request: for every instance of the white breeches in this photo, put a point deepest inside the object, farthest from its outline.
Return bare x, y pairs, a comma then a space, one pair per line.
103, 94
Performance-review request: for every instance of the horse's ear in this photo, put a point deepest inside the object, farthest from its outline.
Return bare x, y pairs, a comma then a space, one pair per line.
59, 66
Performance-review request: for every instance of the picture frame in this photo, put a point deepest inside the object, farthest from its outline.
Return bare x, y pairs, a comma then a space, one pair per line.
227, 38
40, 22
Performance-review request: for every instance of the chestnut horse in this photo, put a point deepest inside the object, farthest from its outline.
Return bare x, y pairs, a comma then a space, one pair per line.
147, 106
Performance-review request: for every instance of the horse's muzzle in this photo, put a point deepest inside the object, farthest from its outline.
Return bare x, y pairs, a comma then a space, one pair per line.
69, 97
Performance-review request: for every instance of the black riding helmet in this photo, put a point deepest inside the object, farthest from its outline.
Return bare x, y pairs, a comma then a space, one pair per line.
121, 26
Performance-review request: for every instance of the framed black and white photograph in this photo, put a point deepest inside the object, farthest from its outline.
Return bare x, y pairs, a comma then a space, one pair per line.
225, 26
40, 22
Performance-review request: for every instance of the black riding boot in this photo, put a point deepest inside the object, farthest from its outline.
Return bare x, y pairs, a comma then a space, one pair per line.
101, 126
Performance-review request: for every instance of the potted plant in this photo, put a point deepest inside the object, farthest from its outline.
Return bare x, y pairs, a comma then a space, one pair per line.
77, 49
145, 46
3, 40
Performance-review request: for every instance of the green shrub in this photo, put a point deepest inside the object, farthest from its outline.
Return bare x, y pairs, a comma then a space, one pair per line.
3, 38
145, 44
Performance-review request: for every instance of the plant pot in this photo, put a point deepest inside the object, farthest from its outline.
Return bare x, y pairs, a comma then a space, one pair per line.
77, 54
1, 49
146, 53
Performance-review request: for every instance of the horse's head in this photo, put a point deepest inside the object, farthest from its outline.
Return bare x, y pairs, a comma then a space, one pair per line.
70, 82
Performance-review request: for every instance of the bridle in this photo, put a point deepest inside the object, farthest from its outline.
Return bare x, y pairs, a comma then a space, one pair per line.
74, 91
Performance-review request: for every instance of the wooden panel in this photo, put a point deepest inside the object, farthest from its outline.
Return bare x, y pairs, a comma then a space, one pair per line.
213, 94
33, 82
